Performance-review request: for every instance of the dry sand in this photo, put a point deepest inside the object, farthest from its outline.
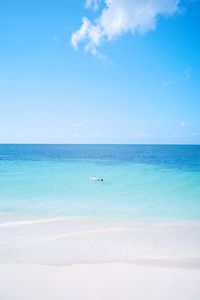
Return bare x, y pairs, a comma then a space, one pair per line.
112, 281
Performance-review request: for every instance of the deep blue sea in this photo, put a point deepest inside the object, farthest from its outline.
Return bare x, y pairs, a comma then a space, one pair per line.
160, 182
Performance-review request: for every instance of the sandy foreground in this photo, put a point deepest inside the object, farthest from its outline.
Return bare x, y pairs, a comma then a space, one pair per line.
112, 281
73, 259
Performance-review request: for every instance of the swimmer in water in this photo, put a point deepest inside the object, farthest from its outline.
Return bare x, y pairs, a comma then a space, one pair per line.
96, 178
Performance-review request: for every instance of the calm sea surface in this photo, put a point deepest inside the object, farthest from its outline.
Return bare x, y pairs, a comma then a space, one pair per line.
140, 181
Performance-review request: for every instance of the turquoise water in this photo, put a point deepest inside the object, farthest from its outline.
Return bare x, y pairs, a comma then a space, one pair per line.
140, 181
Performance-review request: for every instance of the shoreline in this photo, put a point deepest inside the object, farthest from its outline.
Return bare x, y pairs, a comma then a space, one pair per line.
11, 216
90, 259
68, 241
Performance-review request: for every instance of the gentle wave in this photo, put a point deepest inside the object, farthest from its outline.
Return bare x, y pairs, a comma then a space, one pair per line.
68, 235
38, 221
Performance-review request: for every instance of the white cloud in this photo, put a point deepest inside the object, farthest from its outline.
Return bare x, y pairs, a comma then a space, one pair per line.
89, 34
119, 17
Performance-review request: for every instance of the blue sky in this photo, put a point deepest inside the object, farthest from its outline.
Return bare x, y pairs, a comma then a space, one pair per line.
129, 82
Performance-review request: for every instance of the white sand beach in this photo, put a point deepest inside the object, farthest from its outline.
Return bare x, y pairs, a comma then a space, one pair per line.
112, 281
84, 259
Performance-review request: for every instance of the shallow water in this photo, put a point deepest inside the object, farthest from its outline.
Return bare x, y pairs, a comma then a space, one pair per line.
158, 182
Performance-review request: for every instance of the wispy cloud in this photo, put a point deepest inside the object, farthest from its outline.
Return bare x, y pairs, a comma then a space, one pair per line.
56, 39
119, 17
77, 124
167, 83
184, 124
23, 133
142, 135
186, 74
196, 134
93, 4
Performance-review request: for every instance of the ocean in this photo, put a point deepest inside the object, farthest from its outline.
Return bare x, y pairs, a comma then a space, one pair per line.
140, 182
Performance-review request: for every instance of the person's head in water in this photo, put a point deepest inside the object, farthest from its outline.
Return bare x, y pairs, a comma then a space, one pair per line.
101, 179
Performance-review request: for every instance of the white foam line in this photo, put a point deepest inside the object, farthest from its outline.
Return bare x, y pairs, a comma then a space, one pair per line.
68, 235
32, 222
85, 232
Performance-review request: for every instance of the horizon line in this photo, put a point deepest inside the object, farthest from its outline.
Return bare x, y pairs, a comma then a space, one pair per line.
96, 144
